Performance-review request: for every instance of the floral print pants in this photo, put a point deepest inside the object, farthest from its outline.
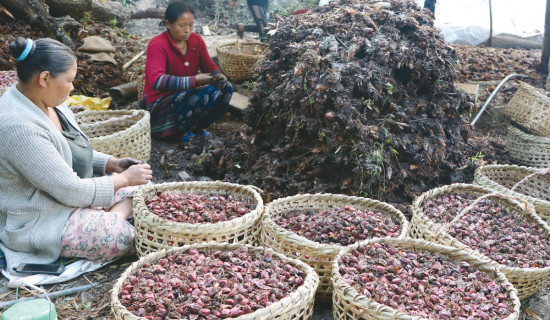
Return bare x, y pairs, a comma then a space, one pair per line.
96, 234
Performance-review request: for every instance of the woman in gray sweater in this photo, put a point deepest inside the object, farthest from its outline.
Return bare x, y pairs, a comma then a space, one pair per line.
52, 183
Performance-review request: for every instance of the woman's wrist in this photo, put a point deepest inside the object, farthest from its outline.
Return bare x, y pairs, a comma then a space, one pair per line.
119, 181
112, 164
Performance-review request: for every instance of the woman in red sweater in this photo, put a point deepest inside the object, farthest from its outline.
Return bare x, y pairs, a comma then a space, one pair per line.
182, 101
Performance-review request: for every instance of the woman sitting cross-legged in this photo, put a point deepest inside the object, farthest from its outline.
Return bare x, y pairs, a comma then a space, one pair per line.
182, 101
52, 183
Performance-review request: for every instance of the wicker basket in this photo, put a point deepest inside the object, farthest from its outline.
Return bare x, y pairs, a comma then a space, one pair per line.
317, 255
238, 59
121, 133
503, 178
527, 281
141, 86
349, 304
154, 233
528, 150
297, 305
530, 109
8, 79
423, 227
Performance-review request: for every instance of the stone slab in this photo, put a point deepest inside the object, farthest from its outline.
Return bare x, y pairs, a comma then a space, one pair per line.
238, 102
470, 88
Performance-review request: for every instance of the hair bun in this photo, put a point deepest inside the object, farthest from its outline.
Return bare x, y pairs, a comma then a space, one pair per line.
17, 47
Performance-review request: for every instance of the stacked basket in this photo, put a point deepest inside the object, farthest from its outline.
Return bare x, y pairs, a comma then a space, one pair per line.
527, 281
239, 59
154, 233
527, 149
529, 138
530, 108
319, 256
518, 181
121, 133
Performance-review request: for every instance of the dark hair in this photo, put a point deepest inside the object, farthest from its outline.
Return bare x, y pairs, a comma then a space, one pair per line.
176, 9
46, 55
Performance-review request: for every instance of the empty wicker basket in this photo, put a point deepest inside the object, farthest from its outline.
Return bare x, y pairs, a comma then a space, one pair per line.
239, 59
121, 133
317, 255
527, 281
298, 305
503, 178
154, 233
530, 109
528, 150
348, 304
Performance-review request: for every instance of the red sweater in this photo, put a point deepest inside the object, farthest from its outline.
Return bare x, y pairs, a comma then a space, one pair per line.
165, 58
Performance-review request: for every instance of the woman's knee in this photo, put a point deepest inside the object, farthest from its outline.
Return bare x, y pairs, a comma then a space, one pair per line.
123, 244
218, 96
225, 94
228, 89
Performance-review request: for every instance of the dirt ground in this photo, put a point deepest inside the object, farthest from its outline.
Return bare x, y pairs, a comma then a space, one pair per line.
169, 160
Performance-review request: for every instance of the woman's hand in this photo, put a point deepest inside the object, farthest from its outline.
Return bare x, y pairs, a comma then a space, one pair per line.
203, 79
138, 174
119, 165
220, 80
135, 175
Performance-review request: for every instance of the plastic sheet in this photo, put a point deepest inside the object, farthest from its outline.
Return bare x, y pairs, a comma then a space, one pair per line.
468, 22
89, 103
72, 271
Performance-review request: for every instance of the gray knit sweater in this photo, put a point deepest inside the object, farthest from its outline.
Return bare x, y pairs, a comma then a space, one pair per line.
38, 187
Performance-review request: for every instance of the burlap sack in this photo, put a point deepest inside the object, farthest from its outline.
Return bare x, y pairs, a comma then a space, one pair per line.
100, 50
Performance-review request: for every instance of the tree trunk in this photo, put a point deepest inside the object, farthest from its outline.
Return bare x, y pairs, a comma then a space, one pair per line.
149, 13
102, 11
546, 43
34, 13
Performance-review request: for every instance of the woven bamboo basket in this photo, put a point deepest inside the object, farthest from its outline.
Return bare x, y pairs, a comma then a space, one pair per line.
348, 304
528, 150
154, 233
141, 86
421, 226
503, 178
121, 133
317, 255
530, 109
8, 79
527, 281
297, 305
238, 59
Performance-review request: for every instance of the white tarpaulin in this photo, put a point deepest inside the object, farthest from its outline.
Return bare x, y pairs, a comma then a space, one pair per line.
467, 21
72, 270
